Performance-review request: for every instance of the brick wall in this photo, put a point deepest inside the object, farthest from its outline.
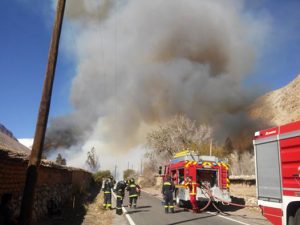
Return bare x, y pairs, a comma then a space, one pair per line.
54, 182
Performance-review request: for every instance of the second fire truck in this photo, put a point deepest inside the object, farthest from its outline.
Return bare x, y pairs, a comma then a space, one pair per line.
277, 154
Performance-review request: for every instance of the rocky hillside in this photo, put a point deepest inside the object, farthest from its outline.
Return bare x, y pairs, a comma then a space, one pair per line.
280, 106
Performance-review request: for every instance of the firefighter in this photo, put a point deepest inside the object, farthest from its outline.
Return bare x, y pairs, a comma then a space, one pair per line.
192, 186
106, 188
134, 191
167, 190
120, 191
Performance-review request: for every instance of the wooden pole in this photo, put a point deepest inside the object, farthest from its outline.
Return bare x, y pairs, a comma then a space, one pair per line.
210, 147
41, 125
115, 172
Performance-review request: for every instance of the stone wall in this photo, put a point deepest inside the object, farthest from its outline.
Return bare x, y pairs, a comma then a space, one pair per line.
55, 182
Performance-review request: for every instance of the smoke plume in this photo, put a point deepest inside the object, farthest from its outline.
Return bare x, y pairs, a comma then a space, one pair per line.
141, 62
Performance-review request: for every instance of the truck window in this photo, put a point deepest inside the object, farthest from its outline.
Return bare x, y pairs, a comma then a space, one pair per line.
268, 171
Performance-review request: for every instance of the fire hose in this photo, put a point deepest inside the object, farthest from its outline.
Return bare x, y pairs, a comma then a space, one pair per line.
207, 205
224, 202
211, 199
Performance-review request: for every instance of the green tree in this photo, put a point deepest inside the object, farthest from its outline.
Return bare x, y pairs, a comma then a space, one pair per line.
129, 173
60, 160
100, 175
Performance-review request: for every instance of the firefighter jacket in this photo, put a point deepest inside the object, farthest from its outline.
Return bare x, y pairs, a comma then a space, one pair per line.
168, 187
107, 187
120, 188
133, 189
192, 186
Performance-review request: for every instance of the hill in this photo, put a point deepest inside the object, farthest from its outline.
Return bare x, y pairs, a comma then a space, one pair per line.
280, 106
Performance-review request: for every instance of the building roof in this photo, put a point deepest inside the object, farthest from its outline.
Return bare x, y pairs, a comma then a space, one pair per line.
12, 147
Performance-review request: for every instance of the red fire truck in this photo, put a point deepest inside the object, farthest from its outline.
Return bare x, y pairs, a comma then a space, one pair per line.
202, 171
277, 155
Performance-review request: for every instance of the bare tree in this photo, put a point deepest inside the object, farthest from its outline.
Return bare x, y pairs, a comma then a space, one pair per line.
242, 163
177, 134
93, 160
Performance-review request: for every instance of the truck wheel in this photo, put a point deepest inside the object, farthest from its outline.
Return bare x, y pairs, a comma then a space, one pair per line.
297, 217
291, 220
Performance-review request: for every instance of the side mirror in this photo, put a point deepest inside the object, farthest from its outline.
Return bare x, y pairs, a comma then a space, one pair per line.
160, 170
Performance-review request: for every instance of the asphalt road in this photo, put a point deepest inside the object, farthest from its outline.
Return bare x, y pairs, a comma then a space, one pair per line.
151, 212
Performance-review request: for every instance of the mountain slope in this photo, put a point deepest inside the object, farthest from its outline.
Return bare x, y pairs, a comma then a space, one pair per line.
280, 106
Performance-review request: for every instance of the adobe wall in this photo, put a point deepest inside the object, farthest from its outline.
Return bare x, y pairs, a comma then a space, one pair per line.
54, 182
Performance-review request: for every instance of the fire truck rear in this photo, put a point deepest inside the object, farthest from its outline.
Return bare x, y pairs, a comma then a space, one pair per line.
277, 154
207, 174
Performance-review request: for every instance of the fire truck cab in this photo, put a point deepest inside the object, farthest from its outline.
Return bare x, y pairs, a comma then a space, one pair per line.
206, 171
277, 155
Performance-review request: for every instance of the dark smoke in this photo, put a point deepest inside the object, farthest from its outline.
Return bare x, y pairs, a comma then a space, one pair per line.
141, 62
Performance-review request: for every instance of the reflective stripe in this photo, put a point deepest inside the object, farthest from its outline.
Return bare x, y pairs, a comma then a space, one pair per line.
190, 163
207, 164
225, 165
166, 206
131, 196
171, 206
107, 192
192, 193
119, 196
167, 183
132, 185
118, 208
187, 165
104, 204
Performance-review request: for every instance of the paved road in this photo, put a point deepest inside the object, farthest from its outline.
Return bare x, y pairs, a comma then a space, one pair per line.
151, 212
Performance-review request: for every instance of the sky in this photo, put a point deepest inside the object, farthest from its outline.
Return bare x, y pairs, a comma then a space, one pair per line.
25, 30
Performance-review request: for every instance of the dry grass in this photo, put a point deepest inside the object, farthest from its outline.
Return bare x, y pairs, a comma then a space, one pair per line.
240, 190
96, 215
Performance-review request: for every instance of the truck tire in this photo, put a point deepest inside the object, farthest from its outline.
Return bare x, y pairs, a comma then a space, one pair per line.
291, 220
297, 217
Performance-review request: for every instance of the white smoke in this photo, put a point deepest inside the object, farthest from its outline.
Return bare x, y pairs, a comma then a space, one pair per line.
141, 62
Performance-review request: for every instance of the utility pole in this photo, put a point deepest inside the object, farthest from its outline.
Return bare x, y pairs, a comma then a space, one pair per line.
41, 125
116, 172
210, 147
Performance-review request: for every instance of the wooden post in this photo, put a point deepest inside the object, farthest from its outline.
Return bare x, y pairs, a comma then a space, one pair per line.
210, 147
40, 130
115, 172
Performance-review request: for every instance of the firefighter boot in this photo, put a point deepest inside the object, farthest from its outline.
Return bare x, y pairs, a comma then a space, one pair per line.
172, 209
119, 211
166, 209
